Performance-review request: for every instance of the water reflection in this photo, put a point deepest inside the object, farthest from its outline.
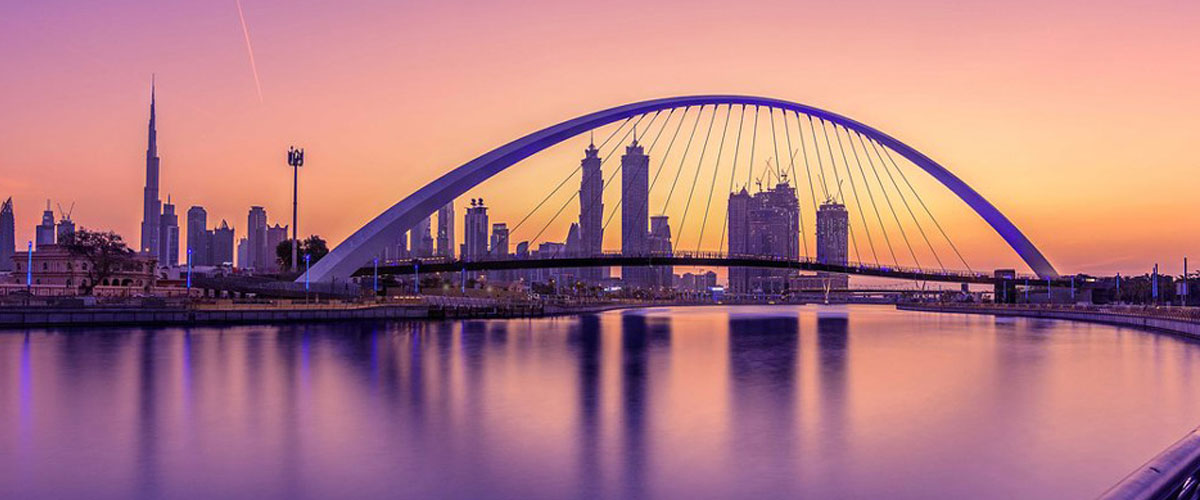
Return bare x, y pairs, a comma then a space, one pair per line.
714, 402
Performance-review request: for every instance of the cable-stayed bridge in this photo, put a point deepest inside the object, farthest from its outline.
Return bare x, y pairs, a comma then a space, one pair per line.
685, 155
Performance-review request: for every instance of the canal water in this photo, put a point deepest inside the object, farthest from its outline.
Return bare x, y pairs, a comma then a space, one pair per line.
702, 402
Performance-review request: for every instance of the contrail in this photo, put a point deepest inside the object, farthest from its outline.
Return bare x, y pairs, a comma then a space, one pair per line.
250, 50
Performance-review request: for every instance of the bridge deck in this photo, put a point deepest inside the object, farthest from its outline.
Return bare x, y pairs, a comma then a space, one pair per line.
701, 259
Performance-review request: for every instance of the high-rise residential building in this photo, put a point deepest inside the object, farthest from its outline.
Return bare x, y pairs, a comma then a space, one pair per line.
44, 233
66, 227
168, 235
419, 239
8, 235
445, 231
738, 238
257, 257
833, 228
499, 243
475, 231
221, 245
499, 250
275, 235
198, 236
243, 253
591, 212
635, 210
765, 224
660, 244
151, 204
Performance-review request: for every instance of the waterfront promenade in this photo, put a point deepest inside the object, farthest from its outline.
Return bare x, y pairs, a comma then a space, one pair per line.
1183, 321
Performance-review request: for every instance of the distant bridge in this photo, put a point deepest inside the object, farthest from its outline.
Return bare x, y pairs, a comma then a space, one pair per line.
694, 259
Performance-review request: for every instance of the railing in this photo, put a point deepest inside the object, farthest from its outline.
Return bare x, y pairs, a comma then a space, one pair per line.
1173, 474
442, 263
1181, 313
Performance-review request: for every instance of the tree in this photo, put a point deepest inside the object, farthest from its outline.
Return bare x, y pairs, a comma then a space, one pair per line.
105, 253
313, 246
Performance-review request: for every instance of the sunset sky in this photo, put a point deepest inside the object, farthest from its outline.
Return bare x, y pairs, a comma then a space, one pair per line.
1079, 120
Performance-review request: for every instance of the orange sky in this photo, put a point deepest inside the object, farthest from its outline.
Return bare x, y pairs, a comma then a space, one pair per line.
1077, 119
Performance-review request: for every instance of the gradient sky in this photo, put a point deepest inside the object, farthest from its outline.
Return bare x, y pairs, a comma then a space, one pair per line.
1077, 119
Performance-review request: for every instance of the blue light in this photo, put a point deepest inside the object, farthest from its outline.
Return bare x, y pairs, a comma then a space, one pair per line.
29, 267
189, 276
306, 259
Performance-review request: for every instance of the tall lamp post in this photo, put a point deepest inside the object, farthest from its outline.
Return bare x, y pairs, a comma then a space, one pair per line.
295, 159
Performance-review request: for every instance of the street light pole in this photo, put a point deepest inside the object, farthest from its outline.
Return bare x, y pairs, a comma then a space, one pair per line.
295, 159
306, 259
189, 278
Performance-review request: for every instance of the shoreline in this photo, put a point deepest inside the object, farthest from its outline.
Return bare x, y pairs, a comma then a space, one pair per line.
1182, 327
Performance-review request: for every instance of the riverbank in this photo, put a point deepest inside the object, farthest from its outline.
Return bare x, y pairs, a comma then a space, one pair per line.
268, 313
1184, 322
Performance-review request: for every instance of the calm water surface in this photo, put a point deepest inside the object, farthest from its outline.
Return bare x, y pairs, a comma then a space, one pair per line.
662, 403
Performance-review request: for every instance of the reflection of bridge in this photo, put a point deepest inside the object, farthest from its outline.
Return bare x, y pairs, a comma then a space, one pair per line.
689, 259
868, 148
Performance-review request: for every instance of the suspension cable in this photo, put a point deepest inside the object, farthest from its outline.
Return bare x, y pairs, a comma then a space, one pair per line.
792, 161
674, 135
853, 189
927, 211
712, 186
564, 181
687, 147
737, 146
907, 207
850, 173
576, 193
696, 178
892, 208
820, 165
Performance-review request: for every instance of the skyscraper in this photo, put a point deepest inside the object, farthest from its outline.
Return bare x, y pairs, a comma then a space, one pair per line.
499, 250
445, 231
44, 233
221, 245
833, 227
765, 224
198, 236
738, 225
151, 205
419, 239
8, 235
168, 235
591, 211
66, 227
275, 235
475, 231
243, 253
256, 240
660, 244
635, 209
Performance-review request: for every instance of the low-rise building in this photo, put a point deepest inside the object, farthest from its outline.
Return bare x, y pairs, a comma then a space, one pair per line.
54, 265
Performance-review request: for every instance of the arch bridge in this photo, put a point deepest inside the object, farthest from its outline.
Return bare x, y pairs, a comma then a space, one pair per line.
867, 146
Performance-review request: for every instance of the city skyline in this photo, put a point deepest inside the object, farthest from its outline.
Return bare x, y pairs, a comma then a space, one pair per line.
1042, 121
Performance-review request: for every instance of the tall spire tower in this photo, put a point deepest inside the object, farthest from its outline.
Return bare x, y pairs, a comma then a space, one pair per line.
151, 204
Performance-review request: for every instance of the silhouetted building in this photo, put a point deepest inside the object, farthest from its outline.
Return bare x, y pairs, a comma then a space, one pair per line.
198, 236
660, 244
635, 211
833, 229
475, 231
8, 235
168, 235
257, 256
765, 224
420, 239
66, 227
445, 231
499, 250
591, 212
220, 245
275, 235
243, 253
44, 232
151, 204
